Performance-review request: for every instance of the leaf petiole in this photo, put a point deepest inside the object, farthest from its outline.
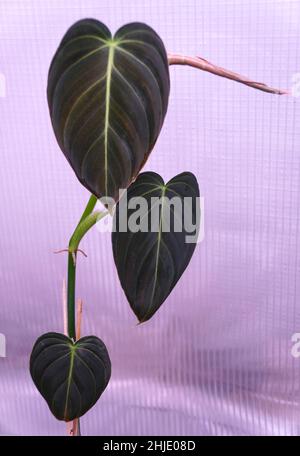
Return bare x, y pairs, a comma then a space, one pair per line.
87, 221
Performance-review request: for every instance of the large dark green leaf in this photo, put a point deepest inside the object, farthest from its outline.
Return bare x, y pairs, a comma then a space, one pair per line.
108, 97
70, 376
150, 262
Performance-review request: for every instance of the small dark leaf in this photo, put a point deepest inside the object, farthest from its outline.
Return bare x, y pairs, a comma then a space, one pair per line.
108, 98
150, 261
70, 376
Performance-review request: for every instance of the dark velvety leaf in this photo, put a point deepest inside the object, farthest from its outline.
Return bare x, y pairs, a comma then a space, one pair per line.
71, 377
150, 262
108, 98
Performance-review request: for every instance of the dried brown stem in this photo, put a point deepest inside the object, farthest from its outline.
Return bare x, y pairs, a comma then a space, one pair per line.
78, 318
204, 65
65, 307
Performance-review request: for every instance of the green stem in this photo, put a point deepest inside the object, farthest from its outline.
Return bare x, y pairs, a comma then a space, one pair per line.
82, 228
71, 297
88, 219
89, 208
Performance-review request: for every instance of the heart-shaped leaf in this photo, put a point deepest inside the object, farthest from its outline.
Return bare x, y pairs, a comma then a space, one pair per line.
108, 98
70, 376
155, 233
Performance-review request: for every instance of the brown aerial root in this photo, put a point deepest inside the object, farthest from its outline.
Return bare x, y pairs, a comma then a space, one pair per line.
204, 65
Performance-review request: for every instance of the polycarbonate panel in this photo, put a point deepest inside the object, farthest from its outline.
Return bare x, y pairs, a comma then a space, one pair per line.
217, 358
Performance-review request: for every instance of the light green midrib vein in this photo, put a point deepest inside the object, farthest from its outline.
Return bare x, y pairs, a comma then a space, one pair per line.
110, 63
158, 246
72, 356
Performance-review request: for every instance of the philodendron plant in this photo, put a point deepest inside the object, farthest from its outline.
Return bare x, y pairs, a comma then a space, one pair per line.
108, 97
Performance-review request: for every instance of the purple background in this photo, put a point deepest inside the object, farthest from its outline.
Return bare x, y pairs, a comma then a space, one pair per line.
216, 359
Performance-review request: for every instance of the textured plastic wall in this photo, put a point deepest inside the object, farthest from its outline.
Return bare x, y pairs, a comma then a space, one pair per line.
217, 358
